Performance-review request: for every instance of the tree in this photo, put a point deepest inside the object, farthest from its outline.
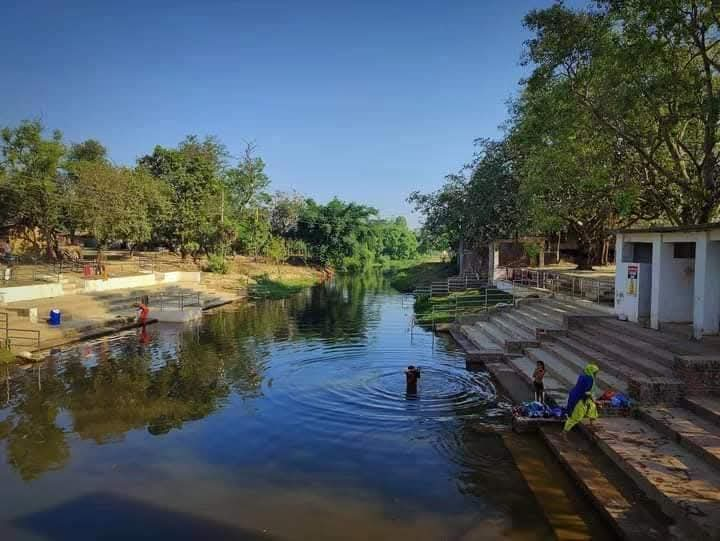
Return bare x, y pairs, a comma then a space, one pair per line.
285, 213
337, 231
116, 203
647, 74
193, 172
246, 181
29, 185
90, 150
396, 240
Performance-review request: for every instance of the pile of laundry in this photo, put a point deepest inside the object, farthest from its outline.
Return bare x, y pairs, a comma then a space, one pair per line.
538, 410
613, 403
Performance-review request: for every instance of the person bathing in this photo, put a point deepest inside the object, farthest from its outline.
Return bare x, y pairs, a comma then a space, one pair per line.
580, 403
538, 385
412, 375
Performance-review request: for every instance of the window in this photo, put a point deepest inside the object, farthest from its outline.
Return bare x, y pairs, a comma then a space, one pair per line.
684, 250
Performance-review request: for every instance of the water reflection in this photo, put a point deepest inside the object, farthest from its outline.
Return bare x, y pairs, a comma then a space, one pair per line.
289, 408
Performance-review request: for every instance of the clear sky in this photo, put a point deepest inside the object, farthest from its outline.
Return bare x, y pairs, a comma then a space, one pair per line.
367, 100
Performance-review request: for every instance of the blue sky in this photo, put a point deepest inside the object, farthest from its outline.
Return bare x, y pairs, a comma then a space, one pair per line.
366, 100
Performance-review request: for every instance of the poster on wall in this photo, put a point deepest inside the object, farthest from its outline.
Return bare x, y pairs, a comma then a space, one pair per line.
632, 274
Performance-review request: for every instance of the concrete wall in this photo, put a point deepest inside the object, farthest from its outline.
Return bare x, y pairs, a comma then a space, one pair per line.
122, 282
27, 293
706, 316
178, 276
678, 285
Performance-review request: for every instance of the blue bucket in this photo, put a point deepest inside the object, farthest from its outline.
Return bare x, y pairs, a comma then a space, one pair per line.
55, 317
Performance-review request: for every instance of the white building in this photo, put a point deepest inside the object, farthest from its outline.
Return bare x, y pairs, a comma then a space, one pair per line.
670, 275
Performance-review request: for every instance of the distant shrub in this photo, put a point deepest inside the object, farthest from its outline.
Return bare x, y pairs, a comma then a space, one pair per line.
217, 264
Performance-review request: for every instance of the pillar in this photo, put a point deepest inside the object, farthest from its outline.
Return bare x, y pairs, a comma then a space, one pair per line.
657, 264
706, 298
619, 269
493, 261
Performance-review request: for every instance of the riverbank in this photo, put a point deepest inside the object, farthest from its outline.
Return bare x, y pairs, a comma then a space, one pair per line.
406, 275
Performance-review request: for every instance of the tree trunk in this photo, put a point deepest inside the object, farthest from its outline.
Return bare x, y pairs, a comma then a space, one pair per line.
585, 253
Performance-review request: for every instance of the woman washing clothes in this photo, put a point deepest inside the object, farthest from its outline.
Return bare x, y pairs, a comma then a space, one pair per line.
580, 403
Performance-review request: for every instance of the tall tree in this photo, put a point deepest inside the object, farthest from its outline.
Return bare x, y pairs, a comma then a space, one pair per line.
193, 172
647, 74
29, 186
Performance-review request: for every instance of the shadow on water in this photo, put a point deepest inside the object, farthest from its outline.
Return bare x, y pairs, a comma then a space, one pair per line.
109, 516
293, 413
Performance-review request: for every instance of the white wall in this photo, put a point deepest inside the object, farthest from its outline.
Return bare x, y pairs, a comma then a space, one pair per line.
676, 288
178, 276
706, 318
27, 293
121, 282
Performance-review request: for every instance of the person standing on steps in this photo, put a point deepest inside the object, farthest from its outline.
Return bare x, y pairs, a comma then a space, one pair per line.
580, 402
538, 385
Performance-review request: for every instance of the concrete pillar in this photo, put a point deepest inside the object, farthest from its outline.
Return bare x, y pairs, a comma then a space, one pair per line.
706, 295
619, 270
657, 264
493, 261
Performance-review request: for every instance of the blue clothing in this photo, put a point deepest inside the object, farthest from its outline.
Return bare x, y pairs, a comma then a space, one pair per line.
583, 386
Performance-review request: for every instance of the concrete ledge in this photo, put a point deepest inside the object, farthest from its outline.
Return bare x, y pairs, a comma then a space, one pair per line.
28, 293
656, 390
121, 282
178, 276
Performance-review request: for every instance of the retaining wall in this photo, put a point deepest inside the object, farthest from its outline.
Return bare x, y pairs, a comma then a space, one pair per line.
28, 293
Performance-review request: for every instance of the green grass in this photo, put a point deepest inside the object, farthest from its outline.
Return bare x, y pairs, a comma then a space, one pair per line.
268, 288
6, 356
405, 276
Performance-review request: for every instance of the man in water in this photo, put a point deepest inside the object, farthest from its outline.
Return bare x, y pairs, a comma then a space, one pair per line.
412, 375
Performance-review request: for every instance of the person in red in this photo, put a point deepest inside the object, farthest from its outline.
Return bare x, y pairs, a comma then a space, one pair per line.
143, 312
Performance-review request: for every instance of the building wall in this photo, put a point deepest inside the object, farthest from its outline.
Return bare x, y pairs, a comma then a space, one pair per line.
677, 287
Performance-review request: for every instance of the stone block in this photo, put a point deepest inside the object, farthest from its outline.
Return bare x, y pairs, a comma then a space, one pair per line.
699, 373
656, 390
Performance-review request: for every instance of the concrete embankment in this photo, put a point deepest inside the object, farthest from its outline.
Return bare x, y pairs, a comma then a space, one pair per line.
653, 475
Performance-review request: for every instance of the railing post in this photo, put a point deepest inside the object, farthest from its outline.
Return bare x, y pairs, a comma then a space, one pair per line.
598, 291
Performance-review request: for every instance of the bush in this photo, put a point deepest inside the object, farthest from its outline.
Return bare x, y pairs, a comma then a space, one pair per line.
217, 264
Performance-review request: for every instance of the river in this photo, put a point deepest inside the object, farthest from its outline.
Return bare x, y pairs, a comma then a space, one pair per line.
276, 420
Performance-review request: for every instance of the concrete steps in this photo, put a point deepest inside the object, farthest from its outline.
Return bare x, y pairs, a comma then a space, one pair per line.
642, 363
650, 336
532, 323
707, 407
689, 430
549, 317
510, 327
628, 515
686, 488
585, 351
480, 340
631, 343
499, 333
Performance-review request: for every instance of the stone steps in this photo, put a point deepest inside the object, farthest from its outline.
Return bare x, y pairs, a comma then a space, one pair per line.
554, 389
480, 340
689, 430
707, 407
642, 363
562, 373
510, 327
531, 323
584, 350
650, 336
628, 516
686, 488
507, 341
536, 310
631, 343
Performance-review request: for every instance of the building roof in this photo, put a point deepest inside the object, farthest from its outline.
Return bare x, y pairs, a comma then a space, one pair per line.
671, 228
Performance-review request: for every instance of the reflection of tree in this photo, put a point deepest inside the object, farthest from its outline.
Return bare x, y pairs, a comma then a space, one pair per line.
35, 444
111, 387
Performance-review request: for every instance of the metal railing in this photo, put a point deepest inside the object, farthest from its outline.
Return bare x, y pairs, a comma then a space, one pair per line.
13, 276
16, 337
455, 306
178, 302
465, 282
599, 290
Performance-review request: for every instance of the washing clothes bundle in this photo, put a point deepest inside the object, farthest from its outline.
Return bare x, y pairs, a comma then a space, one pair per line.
537, 410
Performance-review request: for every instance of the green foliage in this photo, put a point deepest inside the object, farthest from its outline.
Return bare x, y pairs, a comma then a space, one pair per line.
405, 276
217, 264
280, 288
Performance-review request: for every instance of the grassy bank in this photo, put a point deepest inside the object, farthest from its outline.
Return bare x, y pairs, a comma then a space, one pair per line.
405, 276
279, 288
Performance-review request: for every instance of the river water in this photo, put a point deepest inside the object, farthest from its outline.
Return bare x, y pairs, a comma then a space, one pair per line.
277, 420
